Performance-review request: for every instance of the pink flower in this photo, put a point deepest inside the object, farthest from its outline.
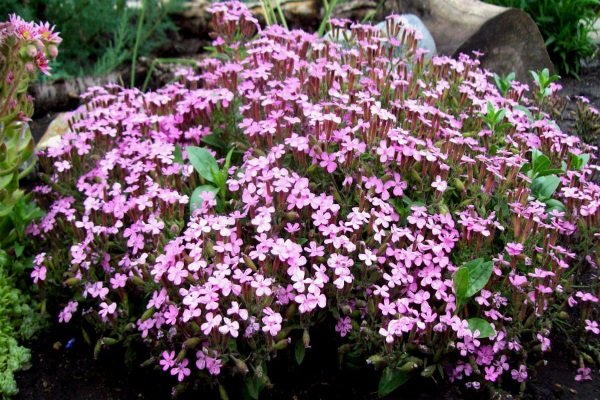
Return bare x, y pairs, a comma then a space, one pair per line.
38, 274
66, 314
519, 375
584, 374
439, 184
592, 326
107, 309
62, 166
181, 370
328, 161
514, 249
343, 326
272, 321
168, 359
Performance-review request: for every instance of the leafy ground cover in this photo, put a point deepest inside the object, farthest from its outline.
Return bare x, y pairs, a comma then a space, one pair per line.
430, 160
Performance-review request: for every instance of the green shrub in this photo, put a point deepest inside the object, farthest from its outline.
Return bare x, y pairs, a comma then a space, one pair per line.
565, 26
25, 49
98, 35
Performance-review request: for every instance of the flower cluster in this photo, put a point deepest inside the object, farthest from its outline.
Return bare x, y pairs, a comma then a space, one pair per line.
362, 188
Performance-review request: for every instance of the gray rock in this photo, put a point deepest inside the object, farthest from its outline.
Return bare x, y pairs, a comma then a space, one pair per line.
426, 41
412, 21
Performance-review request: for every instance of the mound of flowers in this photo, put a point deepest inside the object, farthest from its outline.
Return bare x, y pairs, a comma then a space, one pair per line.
443, 223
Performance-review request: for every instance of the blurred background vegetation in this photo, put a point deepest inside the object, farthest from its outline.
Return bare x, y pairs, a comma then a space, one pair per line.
98, 35
565, 26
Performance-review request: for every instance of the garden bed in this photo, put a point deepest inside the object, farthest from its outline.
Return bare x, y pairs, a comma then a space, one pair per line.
61, 373
444, 347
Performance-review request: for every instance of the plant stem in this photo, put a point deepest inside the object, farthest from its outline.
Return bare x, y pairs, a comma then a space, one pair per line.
138, 39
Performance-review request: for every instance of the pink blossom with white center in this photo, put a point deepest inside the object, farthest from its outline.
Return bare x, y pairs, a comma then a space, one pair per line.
62, 166
328, 161
212, 321
262, 285
272, 321
177, 273
439, 184
236, 310
107, 309
368, 257
229, 327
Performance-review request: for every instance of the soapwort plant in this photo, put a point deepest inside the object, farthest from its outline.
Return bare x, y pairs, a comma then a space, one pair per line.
363, 189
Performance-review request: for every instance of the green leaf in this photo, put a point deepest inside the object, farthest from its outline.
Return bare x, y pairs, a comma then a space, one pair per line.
19, 249
196, 200
460, 279
578, 162
253, 386
479, 275
553, 204
391, 379
585, 158
300, 351
551, 171
214, 140
203, 162
5, 180
526, 111
227, 162
478, 324
544, 186
178, 154
5, 210
540, 163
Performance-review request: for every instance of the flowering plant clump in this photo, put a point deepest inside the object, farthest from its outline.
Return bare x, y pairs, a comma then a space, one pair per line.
24, 51
294, 180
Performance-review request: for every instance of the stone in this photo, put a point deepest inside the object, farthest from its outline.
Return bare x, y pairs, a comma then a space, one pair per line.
426, 41
55, 131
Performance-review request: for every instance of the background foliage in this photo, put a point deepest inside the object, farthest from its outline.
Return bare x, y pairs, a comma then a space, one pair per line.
98, 35
565, 26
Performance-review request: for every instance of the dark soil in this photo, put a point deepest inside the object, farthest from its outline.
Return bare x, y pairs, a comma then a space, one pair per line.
60, 373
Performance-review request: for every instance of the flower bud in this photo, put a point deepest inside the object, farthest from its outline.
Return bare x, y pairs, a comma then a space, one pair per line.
30, 68
31, 51
181, 355
97, 349
280, 345
148, 313
191, 343
138, 281
459, 184
411, 365
376, 360
107, 341
147, 363
248, 261
71, 282
240, 365
306, 338
428, 371
51, 51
